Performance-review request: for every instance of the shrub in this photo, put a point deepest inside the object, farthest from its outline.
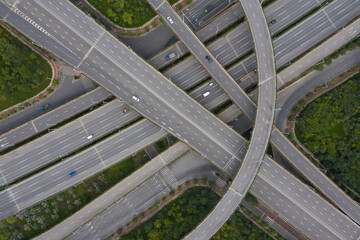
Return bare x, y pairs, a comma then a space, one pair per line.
319, 67
251, 199
310, 95
351, 46
328, 61
188, 1
187, 183
119, 231
26, 104
49, 57
142, 215
291, 136
172, 193
302, 102
163, 198
154, 24
273, 233
195, 181
335, 55
49, 90
266, 225
212, 183
358, 42
55, 82
180, 6
343, 75
3, 116
76, 77
242, 207
129, 33
204, 181
10, 219
161, 20
147, 29
138, 32
335, 80
342, 51
296, 109
179, 188
292, 118
251, 214
258, 219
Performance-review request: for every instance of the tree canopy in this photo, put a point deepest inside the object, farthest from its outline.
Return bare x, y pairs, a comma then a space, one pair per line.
330, 128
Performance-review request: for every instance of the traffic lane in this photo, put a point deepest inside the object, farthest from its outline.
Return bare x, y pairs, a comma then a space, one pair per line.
7, 204
184, 73
65, 12
292, 94
53, 117
301, 219
173, 123
214, 68
85, 163
145, 196
221, 22
61, 142
162, 88
41, 38
124, 210
288, 13
4, 10
57, 29
203, 10
324, 184
204, 33
342, 12
309, 201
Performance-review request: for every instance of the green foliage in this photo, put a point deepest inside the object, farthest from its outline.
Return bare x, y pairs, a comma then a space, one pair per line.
178, 217
273, 233
330, 128
179, 188
295, 109
187, 183
291, 136
335, 80
49, 90
302, 102
204, 180
55, 82
251, 199
266, 225
195, 181
23, 73
328, 61
154, 24
258, 219
239, 227
292, 118
342, 51
180, 6
138, 32
172, 193
10, 219
212, 183
319, 67
161, 145
310, 95
125, 13
147, 29
188, 2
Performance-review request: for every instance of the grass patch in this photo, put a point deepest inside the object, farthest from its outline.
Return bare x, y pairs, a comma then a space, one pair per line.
329, 127
23, 72
126, 13
161, 145
178, 217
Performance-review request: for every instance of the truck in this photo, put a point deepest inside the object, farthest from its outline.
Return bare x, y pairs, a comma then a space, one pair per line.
170, 56
44, 106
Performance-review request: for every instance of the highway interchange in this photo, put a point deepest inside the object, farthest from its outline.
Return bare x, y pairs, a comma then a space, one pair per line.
102, 60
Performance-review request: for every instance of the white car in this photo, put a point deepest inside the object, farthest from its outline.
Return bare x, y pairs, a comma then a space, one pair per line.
210, 84
206, 94
170, 20
136, 98
89, 137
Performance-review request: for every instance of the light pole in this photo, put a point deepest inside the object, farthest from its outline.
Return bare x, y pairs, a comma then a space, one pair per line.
217, 28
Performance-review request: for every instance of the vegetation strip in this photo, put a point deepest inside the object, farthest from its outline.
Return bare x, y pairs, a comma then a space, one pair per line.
43, 216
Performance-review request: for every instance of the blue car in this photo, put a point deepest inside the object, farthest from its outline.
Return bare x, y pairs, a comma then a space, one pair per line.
72, 174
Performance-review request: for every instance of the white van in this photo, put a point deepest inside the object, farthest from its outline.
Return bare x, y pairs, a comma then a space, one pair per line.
206, 94
89, 137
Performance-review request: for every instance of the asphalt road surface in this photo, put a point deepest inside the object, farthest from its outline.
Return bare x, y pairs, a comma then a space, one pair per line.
101, 60
53, 117
263, 124
88, 162
61, 142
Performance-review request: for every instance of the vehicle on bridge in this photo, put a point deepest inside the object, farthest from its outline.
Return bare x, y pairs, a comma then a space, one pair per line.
170, 56
45, 106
